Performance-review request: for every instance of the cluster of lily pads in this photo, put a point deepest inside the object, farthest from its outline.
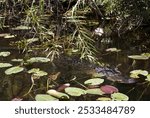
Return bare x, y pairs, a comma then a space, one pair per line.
92, 87
19, 68
136, 74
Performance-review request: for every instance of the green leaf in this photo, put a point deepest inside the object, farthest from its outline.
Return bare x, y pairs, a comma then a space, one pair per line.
14, 70
95, 81
113, 50
9, 36
74, 91
119, 97
146, 54
17, 60
44, 97
148, 77
138, 57
103, 99
32, 40
37, 72
4, 54
57, 94
96, 91
136, 73
21, 27
3, 65
38, 59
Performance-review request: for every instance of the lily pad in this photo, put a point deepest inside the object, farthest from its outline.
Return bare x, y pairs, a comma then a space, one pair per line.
9, 36
44, 97
74, 91
113, 50
148, 78
146, 54
96, 91
37, 72
136, 73
138, 57
57, 94
21, 27
4, 54
119, 97
17, 60
108, 89
14, 70
3, 65
103, 99
95, 81
38, 59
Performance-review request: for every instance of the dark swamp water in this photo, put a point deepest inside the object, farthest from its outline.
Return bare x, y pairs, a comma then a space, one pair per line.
18, 85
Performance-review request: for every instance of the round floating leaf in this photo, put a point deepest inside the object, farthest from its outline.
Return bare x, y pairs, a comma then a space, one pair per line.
95, 81
73, 91
119, 97
21, 27
103, 99
97, 75
108, 89
148, 77
135, 73
33, 70
44, 97
57, 94
3, 65
113, 50
146, 54
96, 91
9, 36
4, 54
138, 57
17, 60
37, 72
4, 34
38, 59
14, 70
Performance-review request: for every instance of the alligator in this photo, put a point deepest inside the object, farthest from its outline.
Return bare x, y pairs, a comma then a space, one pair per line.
113, 74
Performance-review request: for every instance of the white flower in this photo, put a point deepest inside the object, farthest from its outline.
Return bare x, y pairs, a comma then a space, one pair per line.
99, 31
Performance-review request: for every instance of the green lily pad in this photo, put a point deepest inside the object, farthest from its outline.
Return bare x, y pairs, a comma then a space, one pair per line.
38, 59
17, 60
97, 75
21, 27
148, 78
37, 72
74, 91
95, 81
113, 50
119, 97
136, 73
57, 94
146, 54
9, 36
103, 99
44, 97
3, 65
138, 57
14, 70
4, 54
96, 91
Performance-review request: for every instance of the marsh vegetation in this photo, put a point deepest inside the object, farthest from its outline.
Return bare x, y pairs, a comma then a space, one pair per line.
74, 50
